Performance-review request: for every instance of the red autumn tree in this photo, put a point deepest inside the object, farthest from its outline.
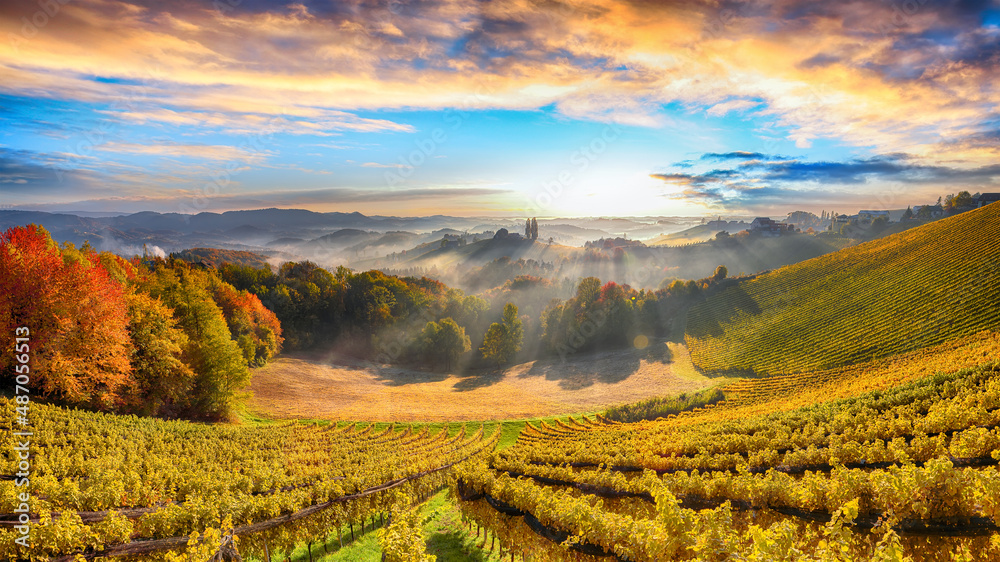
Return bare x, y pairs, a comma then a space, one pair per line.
76, 314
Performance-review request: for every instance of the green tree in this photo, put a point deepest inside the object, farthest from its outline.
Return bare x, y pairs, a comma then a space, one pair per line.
588, 291
503, 339
452, 341
878, 225
445, 340
221, 374
962, 200
162, 379
908, 213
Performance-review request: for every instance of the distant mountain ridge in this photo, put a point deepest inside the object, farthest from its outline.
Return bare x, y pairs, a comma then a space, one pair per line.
175, 231
258, 229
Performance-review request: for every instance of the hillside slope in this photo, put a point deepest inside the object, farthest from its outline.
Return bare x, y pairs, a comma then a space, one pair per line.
907, 291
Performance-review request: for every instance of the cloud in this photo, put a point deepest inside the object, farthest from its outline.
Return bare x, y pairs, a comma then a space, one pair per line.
254, 118
884, 77
736, 155
169, 148
859, 72
771, 179
725, 107
896, 167
366, 200
25, 173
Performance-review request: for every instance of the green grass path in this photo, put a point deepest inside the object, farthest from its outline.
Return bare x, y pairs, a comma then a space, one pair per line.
443, 528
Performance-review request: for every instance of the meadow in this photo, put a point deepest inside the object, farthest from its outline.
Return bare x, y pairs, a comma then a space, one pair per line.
314, 386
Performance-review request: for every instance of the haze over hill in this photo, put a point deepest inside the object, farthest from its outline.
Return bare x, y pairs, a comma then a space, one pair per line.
320, 236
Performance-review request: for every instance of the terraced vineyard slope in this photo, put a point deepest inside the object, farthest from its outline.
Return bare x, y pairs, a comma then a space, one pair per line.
905, 471
904, 292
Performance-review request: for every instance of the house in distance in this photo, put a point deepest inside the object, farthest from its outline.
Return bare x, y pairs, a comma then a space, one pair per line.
872, 215
985, 199
764, 226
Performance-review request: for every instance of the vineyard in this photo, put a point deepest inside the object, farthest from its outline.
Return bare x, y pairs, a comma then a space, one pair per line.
892, 459
908, 291
905, 470
104, 485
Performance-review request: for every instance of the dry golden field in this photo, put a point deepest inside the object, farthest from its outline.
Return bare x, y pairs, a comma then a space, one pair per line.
317, 386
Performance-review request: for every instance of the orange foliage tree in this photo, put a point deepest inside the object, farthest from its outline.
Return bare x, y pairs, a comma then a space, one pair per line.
76, 313
255, 328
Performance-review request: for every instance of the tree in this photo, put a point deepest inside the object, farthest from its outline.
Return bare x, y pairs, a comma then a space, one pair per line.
452, 341
588, 291
878, 225
76, 314
445, 340
503, 339
527, 229
963, 200
720, 273
162, 379
908, 213
221, 374
534, 229
255, 328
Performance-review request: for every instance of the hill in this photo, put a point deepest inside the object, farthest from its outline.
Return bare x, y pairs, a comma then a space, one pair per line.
699, 233
485, 251
904, 292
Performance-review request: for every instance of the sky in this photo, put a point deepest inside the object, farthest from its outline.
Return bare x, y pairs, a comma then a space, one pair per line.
514, 108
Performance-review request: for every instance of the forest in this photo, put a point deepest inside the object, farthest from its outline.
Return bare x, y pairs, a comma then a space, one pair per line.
142, 336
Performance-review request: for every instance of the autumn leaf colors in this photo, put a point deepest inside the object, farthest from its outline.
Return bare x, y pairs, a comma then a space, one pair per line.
128, 336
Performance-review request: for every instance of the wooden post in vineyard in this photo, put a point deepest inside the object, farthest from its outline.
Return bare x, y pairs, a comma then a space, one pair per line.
227, 550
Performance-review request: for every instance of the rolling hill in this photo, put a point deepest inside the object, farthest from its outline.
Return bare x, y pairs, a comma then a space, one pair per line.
904, 292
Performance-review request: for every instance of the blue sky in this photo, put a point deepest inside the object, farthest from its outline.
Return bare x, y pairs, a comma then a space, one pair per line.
579, 108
